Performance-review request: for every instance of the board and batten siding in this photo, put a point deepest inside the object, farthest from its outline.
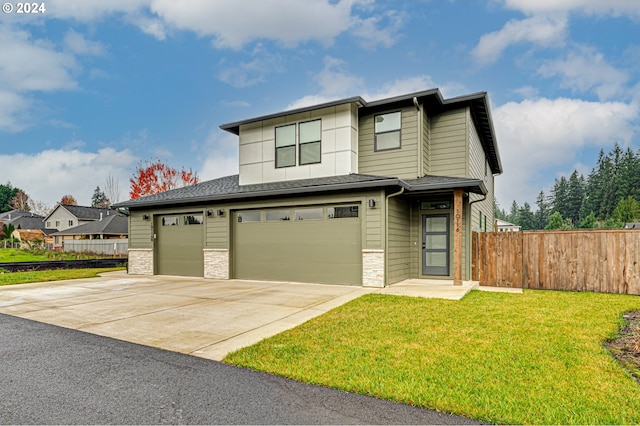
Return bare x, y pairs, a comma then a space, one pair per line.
399, 243
479, 169
426, 143
401, 163
448, 144
140, 231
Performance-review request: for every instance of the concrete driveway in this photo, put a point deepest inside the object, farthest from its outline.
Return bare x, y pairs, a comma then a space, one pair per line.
205, 318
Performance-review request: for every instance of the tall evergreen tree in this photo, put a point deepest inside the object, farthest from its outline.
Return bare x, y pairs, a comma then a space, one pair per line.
542, 214
575, 194
99, 199
526, 217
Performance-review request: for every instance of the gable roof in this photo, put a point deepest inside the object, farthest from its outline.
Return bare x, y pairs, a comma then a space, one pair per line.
83, 212
27, 222
433, 103
16, 213
227, 188
114, 224
29, 234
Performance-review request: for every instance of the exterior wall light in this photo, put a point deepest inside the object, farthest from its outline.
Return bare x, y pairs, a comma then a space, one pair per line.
220, 212
145, 217
372, 203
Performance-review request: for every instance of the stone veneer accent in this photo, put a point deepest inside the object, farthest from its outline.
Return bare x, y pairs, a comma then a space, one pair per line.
216, 264
373, 268
140, 262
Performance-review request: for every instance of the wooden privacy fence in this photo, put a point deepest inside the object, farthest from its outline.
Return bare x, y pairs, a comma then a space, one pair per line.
605, 261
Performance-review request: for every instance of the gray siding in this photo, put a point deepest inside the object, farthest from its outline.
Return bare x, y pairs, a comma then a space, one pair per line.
448, 144
140, 232
399, 255
426, 144
403, 162
479, 169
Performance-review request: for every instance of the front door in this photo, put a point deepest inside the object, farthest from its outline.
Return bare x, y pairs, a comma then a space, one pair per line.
435, 244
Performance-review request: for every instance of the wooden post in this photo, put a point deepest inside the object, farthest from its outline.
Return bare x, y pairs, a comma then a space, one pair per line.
457, 237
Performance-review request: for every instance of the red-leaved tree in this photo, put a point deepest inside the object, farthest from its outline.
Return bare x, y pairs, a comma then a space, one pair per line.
68, 200
152, 177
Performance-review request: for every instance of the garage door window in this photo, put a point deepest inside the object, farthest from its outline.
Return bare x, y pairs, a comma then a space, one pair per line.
341, 212
277, 215
308, 214
193, 219
170, 221
249, 216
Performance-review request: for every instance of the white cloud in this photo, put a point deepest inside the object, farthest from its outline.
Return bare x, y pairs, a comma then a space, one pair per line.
335, 82
373, 34
247, 74
538, 136
33, 65
585, 69
222, 155
589, 7
234, 23
28, 65
539, 30
76, 43
54, 173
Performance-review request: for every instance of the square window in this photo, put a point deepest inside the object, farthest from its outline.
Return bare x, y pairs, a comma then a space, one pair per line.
71, 223
310, 138
387, 131
286, 146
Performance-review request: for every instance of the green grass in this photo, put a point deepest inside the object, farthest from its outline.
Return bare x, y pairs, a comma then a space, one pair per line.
18, 255
532, 358
9, 278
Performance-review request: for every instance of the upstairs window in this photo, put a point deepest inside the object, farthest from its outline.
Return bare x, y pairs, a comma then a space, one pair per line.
310, 136
387, 131
286, 146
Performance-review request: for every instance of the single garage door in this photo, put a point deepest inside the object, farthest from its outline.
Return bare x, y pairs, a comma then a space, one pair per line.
319, 244
179, 244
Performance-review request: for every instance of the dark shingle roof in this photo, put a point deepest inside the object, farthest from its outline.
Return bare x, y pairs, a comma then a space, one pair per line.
228, 188
14, 214
113, 224
87, 213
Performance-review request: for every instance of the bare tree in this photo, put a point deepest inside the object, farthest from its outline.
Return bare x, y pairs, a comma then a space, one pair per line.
20, 201
39, 207
112, 189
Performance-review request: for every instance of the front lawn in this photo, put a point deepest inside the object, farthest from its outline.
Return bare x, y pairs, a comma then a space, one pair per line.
532, 358
8, 278
10, 255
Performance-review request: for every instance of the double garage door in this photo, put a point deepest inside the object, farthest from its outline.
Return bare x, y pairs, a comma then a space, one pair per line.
319, 244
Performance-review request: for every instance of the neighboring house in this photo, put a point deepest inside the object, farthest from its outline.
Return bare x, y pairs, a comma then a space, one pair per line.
26, 221
504, 226
29, 238
347, 192
65, 216
110, 226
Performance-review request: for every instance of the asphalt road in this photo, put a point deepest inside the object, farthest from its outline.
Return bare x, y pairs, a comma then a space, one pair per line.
53, 375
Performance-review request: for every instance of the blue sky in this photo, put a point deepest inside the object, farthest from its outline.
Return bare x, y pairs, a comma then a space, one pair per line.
88, 89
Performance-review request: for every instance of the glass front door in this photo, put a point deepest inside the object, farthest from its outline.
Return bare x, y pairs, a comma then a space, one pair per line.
435, 244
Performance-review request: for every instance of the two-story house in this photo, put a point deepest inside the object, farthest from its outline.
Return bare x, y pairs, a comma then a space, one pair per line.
64, 218
347, 192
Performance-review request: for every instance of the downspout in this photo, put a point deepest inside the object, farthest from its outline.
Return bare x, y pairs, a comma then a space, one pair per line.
386, 233
419, 170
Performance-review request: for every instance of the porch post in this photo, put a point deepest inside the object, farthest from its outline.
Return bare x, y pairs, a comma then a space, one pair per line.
457, 237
